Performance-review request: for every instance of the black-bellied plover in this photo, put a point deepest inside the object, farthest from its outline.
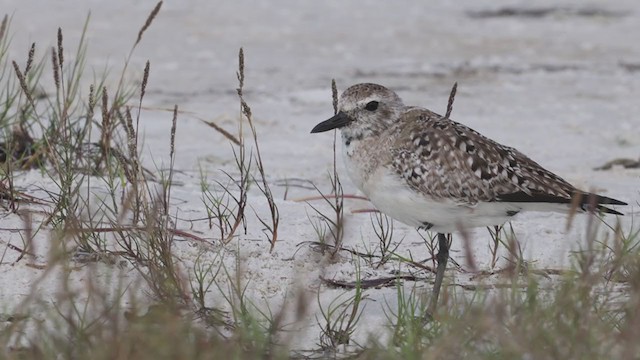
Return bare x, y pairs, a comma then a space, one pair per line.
430, 172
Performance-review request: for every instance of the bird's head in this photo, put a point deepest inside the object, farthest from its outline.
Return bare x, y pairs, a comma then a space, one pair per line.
364, 110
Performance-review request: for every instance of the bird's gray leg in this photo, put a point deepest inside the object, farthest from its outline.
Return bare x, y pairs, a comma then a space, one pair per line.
442, 257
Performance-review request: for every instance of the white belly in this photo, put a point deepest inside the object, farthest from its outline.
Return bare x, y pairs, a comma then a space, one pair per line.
390, 194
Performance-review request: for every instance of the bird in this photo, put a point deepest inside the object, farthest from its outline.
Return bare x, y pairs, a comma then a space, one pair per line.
430, 172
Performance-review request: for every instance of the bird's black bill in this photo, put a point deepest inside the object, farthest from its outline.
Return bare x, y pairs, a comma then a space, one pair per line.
337, 121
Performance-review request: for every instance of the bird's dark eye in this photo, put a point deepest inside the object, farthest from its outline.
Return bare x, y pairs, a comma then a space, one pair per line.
371, 105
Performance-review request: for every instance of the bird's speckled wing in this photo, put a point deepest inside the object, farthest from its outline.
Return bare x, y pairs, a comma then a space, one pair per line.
446, 160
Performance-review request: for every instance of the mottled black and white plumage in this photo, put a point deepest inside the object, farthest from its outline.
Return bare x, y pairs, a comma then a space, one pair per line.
434, 173
431, 172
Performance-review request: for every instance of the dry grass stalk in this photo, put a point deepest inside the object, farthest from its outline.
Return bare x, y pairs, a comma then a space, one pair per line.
331, 196
335, 222
145, 79
132, 138
143, 88
174, 125
32, 52
172, 157
92, 102
430, 242
224, 211
23, 84
56, 68
148, 22
240, 76
60, 49
128, 228
27, 219
272, 228
131, 165
495, 244
222, 131
576, 200
383, 229
91, 105
336, 185
452, 97
62, 110
334, 95
192, 114
105, 135
144, 28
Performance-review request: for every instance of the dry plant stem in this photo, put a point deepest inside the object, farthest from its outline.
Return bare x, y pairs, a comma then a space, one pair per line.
147, 23
135, 170
383, 229
172, 156
330, 223
495, 236
222, 131
517, 263
175, 232
105, 136
23, 84
241, 163
272, 228
32, 52
56, 71
452, 97
132, 173
573, 209
336, 185
28, 224
212, 124
8, 191
330, 196
336, 224
364, 211
143, 89
62, 104
430, 243
92, 103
